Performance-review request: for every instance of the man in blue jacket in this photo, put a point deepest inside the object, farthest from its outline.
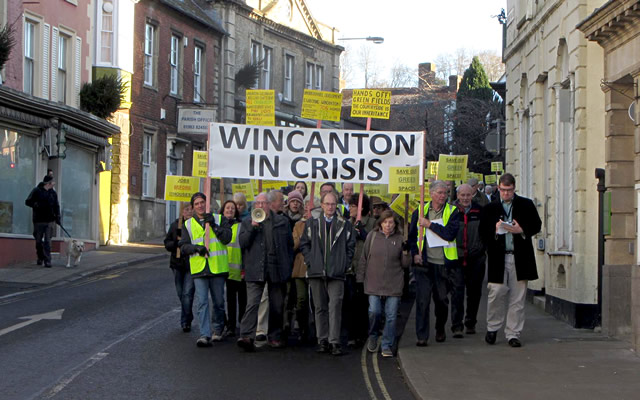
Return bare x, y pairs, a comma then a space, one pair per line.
434, 269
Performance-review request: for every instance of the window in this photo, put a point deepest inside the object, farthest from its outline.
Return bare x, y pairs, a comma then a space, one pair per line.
288, 77
314, 76
266, 68
319, 76
147, 142
149, 51
308, 82
61, 79
197, 75
106, 33
76, 191
29, 57
174, 62
255, 58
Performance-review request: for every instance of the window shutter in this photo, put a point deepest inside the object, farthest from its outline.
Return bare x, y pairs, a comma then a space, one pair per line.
54, 64
45, 61
78, 70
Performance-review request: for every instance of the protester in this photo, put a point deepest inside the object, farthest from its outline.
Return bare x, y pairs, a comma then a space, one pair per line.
378, 206
488, 191
267, 249
381, 270
434, 268
347, 193
276, 201
241, 205
478, 196
179, 264
471, 254
236, 286
301, 187
330, 187
209, 267
328, 244
506, 228
294, 208
43, 199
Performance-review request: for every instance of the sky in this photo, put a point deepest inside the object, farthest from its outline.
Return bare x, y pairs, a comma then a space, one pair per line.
415, 31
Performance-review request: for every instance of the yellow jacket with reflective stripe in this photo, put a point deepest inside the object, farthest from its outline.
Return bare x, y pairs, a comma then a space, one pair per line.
451, 250
234, 254
217, 262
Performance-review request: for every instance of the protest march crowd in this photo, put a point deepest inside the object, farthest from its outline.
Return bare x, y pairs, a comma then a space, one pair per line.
330, 270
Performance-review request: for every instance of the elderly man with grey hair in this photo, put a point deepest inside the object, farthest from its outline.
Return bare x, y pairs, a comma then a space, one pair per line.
478, 195
435, 258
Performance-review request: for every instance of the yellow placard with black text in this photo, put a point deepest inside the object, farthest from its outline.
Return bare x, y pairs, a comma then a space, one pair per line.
199, 167
317, 104
490, 179
404, 180
180, 188
452, 168
368, 103
496, 166
261, 107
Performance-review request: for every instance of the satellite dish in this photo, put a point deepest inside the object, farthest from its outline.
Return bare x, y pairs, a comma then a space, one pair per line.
632, 111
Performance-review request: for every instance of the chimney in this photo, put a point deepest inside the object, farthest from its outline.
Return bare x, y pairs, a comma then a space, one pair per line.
454, 83
427, 74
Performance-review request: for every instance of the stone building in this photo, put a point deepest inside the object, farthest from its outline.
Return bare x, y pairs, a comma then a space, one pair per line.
555, 140
615, 26
41, 126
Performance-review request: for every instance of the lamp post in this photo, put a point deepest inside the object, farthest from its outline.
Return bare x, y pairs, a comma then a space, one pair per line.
374, 39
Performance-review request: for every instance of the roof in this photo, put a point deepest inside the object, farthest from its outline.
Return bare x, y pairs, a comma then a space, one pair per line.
199, 10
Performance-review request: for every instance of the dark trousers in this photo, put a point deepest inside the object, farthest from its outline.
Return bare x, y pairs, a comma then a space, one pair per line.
236, 303
454, 277
355, 306
42, 232
430, 282
473, 279
276, 309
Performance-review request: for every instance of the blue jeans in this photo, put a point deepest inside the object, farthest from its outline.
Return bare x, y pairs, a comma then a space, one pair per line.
214, 285
185, 291
390, 312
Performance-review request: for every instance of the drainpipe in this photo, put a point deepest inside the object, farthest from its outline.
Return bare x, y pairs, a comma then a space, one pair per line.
599, 172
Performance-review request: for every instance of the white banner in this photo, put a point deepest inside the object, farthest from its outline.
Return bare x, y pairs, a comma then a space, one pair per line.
286, 153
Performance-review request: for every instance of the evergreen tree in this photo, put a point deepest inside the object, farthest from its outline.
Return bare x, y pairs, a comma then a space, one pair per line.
475, 83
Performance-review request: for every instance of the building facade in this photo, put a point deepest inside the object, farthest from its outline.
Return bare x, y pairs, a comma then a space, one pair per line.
42, 127
554, 143
615, 26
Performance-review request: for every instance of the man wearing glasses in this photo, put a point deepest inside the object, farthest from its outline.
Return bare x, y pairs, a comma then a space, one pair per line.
328, 244
506, 227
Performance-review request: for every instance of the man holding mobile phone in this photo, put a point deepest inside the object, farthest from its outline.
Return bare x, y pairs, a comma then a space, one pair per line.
506, 227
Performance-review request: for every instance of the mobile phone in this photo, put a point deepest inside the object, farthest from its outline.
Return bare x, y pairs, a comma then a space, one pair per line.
505, 223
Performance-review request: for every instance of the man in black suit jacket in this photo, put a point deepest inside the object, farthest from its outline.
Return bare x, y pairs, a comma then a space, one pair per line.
506, 227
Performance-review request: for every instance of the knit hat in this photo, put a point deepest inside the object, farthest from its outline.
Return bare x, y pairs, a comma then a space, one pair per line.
196, 195
47, 179
294, 195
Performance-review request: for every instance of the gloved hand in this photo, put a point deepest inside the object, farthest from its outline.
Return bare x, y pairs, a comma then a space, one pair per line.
201, 250
208, 218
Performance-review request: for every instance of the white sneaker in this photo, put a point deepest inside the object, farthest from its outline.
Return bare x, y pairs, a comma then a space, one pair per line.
203, 341
216, 338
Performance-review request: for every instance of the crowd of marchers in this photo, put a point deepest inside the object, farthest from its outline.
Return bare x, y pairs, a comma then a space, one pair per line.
331, 271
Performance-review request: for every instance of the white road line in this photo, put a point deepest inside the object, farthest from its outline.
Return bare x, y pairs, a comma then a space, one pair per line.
85, 365
365, 373
376, 370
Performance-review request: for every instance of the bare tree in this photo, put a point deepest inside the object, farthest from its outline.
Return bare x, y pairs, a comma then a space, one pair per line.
457, 62
403, 76
346, 65
367, 58
492, 64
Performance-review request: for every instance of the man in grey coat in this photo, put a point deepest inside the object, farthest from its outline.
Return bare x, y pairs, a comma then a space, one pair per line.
328, 244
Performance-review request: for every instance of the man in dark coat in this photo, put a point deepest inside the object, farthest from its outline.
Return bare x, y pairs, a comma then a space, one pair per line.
46, 213
506, 227
267, 254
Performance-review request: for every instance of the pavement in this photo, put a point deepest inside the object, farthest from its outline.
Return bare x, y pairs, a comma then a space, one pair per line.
25, 277
555, 362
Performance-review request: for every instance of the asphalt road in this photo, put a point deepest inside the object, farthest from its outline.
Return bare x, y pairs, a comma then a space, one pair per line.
118, 337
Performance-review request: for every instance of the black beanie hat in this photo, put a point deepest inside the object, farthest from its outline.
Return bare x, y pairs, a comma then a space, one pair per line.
196, 195
47, 179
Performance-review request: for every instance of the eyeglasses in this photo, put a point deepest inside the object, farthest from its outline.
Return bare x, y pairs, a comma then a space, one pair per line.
506, 189
330, 204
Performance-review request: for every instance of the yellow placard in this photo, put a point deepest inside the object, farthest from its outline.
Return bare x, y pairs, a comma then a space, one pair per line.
451, 168
496, 166
317, 104
261, 107
381, 191
180, 188
244, 188
404, 180
398, 205
199, 167
367, 103
490, 179
432, 170
273, 185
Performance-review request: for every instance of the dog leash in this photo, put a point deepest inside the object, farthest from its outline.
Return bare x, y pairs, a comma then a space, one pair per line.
65, 231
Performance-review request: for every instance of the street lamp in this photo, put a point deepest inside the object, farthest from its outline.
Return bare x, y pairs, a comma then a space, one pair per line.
374, 39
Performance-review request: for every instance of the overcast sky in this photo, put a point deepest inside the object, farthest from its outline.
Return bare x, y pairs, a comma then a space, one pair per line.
415, 31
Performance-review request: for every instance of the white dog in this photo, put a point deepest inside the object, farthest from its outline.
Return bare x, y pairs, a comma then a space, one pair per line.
74, 250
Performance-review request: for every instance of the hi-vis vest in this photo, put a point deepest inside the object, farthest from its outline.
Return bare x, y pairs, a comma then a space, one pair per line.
234, 255
217, 261
450, 250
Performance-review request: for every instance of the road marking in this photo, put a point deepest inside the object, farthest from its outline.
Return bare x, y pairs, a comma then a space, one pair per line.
32, 319
85, 365
376, 370
365, 373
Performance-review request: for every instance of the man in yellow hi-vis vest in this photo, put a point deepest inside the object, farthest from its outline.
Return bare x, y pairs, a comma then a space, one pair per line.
439, 222
209, 268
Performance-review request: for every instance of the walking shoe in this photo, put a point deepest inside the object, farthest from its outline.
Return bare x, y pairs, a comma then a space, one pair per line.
39, 262
276, 344
323, 346
337, 350
515, 342
46, 265
373, 344
441, 337
457, 334
491, 337
203, 341
217, 337
261, 338
246, 344
386, 353
471, 330
186, 328
421, 343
